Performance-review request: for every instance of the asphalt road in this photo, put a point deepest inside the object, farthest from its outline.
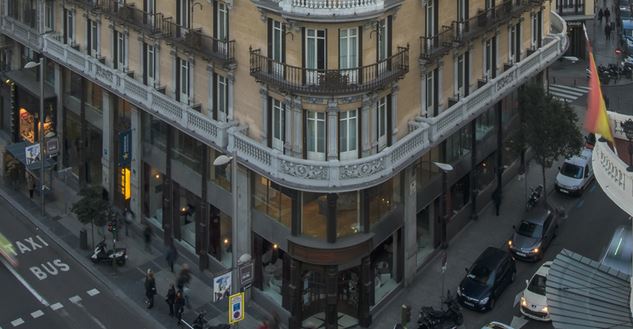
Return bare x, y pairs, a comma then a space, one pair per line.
591, 220
49, 289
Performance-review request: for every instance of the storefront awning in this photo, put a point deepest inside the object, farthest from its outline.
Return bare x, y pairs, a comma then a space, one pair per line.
582, 293
18, 151
28, 81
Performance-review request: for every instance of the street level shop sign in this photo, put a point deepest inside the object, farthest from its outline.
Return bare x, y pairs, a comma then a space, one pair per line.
246, 274
125, 148
236, 308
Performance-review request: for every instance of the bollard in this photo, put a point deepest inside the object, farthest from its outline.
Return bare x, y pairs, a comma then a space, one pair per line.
405, 314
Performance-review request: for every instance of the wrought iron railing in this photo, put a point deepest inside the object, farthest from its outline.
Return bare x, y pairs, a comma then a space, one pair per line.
86, 4
131, 15
198, 42
490, 18
329, 81
438, 44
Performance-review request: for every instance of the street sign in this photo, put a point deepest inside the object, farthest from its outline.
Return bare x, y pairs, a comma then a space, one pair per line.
236, 308
125, 148
246, 274
52, 147
32, 154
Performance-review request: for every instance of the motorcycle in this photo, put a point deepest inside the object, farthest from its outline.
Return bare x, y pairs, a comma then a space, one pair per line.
102, 254
200, 321
536, 193
449, 316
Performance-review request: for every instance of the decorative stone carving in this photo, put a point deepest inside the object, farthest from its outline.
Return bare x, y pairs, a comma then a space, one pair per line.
505, 81
304, 171
362, 170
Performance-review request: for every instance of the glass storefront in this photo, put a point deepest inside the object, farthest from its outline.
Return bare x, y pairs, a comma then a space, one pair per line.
220, 175
426, 170
460, 194
188, 207
384, 269
272, 271
268, 199
347, 214
384, 198
485, 124
486, 172
314, 215
187, 150
220, 236
424, 235
458, 144
153, 194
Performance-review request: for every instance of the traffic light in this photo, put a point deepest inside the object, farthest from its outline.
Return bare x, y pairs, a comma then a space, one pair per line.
114, 224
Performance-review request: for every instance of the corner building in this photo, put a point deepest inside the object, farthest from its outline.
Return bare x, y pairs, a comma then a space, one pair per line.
333, 112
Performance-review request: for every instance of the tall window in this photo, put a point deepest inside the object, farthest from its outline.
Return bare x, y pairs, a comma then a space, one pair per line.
221, 99
536, 29
69, 26
430, 92
462, 14
221, 25
315, 135
278, 126
276, 45
183, 80
149, 7
348, 130
315, 54
348, 53
490, 58
382, 122
182, 13
49, 16
120, 50
93, 37
383, 43
514, 53
430, 18
149, 64
460, 76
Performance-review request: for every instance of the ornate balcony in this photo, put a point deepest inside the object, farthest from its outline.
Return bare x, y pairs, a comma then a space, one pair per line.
196, 41
300, 80
327, 10
610, 167
438, 45
177, 114
86, 4
21, 32
339, 176
485, 20
129, 15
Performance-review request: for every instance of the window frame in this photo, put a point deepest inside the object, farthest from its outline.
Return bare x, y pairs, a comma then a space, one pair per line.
348, 134
278, 124
382, 122
319, 124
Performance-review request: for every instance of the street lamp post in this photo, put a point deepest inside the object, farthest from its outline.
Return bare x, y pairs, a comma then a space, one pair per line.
223, 160
445, 168
30, 65
627, 126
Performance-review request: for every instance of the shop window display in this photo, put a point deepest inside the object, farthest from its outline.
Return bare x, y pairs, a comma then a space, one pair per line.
486, 172
153, 195
188, 211
384, 198
272, 271
424, 235
270, 200
347, 219
458, 144
314, 215
383, 269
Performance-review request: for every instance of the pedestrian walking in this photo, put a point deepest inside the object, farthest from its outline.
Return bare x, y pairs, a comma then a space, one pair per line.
273, 323
612, 28
263, 325
607, 31
150, 288
147, 236
184, 277
600, 14
179, 304
607, 14
496, 198
30, 184
171, 299
171, 256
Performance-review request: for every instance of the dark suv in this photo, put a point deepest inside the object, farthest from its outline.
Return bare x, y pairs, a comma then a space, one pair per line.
534, 234
486, 279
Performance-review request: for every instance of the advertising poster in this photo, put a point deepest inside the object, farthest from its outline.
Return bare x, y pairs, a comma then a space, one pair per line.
221, 286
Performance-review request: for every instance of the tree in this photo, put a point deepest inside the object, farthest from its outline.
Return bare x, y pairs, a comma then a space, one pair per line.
91, 208
548, 127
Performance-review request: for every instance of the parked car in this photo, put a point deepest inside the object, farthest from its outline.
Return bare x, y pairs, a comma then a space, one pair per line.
486, 279
620, 251
534, 234
575, 174
496, 325
626, 36
533, 301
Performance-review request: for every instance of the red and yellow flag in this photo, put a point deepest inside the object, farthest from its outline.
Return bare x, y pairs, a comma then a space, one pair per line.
596, 120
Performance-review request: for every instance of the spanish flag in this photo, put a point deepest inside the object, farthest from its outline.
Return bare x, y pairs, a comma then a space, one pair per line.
596, 119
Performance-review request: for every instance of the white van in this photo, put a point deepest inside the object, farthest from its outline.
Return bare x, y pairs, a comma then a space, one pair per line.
575, 174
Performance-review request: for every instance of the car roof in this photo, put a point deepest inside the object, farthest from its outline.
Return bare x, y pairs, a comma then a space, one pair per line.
627, 24
536, 215
583, 158
619, 253
491, 257
544, 269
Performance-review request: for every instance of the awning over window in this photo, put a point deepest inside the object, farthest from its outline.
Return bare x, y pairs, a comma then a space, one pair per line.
582, 293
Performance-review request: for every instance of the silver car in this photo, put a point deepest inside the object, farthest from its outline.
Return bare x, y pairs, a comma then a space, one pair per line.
534, 234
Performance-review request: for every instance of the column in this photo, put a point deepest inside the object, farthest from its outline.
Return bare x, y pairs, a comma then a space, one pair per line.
136, 164
210, 100
499, 126
167, 190
107, 155
410, 225
295, 292
394, 114
297, 113
263, 98
366, 113
332, 129
83, 134
174, 71
331, 290
231, 92
202, 226
365, 285
241, 220
288, 125
331, 217
59, 91
474, 188
192, 80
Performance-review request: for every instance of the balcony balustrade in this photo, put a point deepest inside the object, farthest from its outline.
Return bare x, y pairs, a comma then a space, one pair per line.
485, 20
21, 32
130, 15
438, 45
339, 176
327, 9
198, 42
610, 172
301, 80
86, 4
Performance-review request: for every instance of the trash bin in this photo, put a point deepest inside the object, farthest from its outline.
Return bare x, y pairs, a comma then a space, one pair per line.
83, 239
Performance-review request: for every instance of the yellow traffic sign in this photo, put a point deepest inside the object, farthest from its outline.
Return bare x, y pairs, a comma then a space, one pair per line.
236, 308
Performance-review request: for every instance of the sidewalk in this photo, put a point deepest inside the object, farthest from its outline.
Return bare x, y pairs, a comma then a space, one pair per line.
127, 282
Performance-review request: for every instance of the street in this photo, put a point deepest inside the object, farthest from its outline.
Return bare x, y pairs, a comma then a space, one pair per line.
591, 220
49, 289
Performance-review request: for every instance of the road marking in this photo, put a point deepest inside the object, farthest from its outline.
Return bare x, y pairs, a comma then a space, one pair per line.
56, 306
593, 187
37, 314
92, 317
93, 292
518, 322
75, 299
24, 283
17, 322
580, 203
517, 298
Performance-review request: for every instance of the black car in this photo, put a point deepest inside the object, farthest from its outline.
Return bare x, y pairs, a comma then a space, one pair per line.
534, 234
486, 279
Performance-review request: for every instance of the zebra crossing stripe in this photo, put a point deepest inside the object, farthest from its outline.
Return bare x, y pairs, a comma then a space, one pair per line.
17, 322
37, 314
75, 299
93, 292
570, 88
56, 306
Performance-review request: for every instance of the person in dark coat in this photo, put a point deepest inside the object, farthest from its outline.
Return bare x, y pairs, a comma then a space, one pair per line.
607, 31
150, 288
184, 277
147, 236
171, 256
171, 299
607, 14
179, 303
496, 198
600, 13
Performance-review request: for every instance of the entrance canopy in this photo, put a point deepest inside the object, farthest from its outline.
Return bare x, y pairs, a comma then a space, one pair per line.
18, 151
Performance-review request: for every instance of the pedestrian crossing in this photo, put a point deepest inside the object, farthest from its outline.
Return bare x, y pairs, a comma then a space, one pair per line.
567, 93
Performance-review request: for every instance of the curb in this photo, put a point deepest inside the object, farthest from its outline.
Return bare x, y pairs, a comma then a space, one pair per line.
115, 290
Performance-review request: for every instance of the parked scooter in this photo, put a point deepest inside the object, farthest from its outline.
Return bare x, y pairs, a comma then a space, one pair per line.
448, 317
102, 254
200, 321
536, 193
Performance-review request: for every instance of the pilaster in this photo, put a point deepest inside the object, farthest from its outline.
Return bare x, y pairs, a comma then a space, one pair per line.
231, 92
241, 220
210, 100
331, 301
332, 127
410, 225
365, 136
60, 112
263, 98
394, 114
136, 164
107, 155
297, 113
